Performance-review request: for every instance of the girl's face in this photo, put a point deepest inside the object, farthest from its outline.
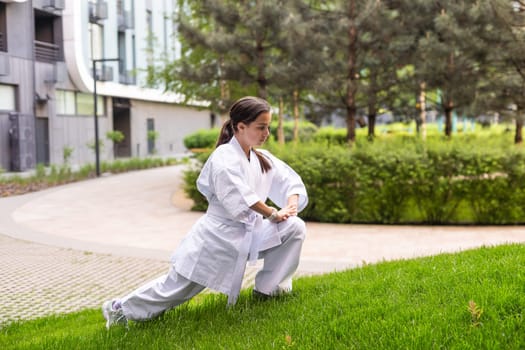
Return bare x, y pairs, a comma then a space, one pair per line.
255, 133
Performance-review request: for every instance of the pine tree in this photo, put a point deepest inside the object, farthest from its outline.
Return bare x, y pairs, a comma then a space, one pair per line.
355, 57
451, 54
504, 92
229, 49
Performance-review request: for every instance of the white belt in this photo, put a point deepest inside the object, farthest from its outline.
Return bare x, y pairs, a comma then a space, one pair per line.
249, 249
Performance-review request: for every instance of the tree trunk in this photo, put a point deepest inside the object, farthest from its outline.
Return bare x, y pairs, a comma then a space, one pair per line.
422, 111
296, 115
448, 107
371, 126
372, 106
448, 122
261, 74
447, 99
351, 86
518, 137
372, 114
280, 132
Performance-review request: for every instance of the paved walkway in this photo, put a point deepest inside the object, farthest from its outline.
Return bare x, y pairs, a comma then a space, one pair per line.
71, 247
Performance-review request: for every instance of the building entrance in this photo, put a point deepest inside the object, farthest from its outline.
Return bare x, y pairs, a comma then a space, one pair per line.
122, 123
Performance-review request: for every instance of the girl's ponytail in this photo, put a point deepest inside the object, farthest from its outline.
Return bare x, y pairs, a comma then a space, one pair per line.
226, 133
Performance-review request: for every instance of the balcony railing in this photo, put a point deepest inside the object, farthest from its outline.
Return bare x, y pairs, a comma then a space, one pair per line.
3, 46
127, 78
125, 20
47, 52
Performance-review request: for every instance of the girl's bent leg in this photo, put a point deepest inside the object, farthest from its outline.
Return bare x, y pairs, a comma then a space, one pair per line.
159, 295
280, 262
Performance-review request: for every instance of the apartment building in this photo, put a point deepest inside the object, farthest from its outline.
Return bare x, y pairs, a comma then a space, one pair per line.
56, 56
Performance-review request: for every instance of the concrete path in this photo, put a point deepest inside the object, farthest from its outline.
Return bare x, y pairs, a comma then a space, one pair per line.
71, 247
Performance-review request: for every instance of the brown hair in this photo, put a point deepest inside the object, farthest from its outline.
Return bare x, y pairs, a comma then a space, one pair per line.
245, 110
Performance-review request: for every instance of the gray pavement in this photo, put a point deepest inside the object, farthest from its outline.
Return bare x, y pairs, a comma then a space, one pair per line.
73, 246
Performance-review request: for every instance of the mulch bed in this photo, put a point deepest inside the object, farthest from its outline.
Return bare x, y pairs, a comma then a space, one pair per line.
8, 189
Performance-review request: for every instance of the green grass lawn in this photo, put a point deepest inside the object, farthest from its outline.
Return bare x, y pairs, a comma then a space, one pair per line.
470, 300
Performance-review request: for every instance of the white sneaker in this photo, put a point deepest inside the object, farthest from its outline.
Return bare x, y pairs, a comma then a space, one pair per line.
113, 316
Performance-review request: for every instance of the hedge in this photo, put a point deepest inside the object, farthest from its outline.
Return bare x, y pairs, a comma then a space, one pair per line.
405, 181
206, 138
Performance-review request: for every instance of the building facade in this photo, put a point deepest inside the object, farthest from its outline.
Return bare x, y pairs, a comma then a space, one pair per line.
53, 52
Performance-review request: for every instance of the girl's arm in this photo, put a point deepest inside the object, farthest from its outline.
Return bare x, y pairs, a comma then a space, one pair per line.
275, 215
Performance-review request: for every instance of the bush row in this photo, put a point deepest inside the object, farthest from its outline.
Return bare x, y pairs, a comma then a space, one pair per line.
57, 175
408, 182
206, 138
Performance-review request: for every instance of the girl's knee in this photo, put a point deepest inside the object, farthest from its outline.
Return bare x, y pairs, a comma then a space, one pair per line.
297, 226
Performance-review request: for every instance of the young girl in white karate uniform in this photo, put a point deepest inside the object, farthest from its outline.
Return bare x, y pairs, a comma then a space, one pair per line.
237, 227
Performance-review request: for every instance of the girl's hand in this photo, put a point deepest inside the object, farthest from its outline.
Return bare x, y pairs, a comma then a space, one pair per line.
286, 212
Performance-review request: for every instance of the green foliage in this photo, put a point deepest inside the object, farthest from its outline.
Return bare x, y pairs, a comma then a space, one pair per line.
40, 170
331, 136
92, 145
469, 300
153, 135
204, 138
116, 136
190, 182
307, 130
54, 176
401, 179
67, 152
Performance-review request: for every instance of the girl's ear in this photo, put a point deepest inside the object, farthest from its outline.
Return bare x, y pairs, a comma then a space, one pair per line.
241, 126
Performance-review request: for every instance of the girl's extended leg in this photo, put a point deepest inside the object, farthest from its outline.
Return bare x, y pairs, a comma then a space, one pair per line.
157, 296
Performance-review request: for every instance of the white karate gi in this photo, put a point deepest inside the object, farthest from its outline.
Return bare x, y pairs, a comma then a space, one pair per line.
215, 251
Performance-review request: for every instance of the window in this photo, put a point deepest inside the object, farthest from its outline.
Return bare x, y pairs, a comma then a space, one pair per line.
149, 28
7, 98
122, 52
72, 103
149, 37
133, 53
85, 104
96, 39
65, 102
120, 7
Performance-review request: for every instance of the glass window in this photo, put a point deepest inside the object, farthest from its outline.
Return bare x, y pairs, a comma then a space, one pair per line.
65, 102
7, 98
96, 39
85, 104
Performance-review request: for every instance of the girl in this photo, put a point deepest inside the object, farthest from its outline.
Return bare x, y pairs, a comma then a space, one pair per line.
238, 226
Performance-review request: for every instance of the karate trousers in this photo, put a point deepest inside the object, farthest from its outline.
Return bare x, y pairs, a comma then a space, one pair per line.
172, 289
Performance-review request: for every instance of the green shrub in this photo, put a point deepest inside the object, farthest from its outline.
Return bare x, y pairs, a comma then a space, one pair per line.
205, 138
306, 131
331, 136
405, 180
116, 136
40, 170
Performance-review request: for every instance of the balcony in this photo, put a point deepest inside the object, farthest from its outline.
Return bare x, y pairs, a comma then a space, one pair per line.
53, 5
127, 78
3, 44
47, 52
125, 21
4, 64
105, 73
98, 11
